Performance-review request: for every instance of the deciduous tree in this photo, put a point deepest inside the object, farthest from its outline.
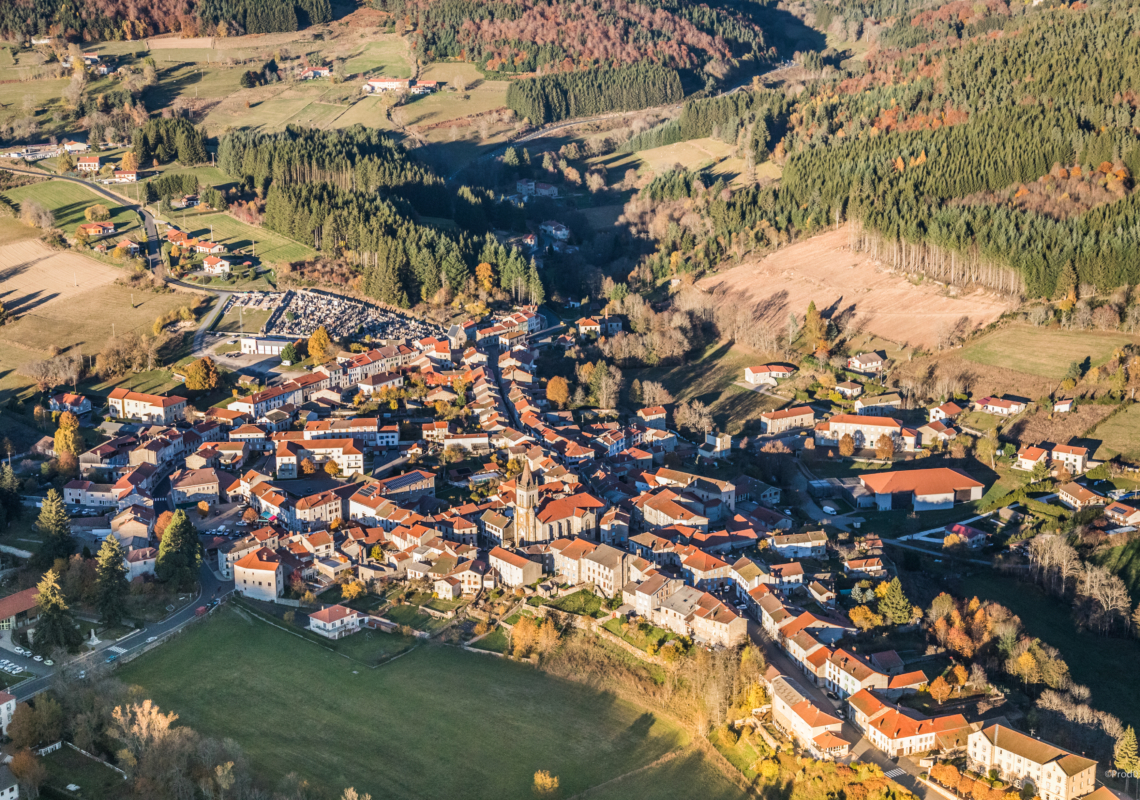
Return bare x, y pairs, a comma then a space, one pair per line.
558, 391
846, 445
940, 690
320, 346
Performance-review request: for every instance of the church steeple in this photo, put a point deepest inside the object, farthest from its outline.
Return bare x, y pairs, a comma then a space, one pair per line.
526, 498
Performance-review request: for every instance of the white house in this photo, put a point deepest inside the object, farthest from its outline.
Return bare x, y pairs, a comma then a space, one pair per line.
212, 265
335, 622
767, 374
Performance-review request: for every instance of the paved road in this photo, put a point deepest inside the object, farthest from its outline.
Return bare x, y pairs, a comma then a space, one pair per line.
211, 588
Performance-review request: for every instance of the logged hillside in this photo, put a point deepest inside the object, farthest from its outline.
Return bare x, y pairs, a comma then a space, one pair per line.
1003, 159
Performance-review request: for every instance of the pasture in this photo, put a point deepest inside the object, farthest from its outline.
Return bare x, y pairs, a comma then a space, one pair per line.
387, 57
498, 721
68, 201
1045, 352
1118, 436
270, 247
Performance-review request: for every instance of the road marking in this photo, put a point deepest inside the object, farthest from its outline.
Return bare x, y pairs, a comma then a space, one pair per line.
117, 649
894, 773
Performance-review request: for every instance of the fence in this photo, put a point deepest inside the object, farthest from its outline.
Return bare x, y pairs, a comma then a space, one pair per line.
51, 748
96, 758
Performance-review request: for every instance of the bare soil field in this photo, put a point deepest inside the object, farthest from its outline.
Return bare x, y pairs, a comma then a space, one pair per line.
33, 275
847, 284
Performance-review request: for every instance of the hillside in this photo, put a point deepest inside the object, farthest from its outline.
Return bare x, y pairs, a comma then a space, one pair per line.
866, 297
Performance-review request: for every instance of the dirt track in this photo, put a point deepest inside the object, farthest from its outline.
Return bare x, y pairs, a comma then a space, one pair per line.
849, 285
33, 275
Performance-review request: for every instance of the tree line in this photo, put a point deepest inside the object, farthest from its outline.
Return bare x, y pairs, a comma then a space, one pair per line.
550, 98
118, 19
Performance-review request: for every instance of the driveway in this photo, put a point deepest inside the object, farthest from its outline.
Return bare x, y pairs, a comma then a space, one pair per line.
761, 390
211, 587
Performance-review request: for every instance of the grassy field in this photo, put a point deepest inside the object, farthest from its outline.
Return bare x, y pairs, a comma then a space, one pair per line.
1043, 351
693, 154
1093, 660
1125, 562
270, 247
711, 377
368, 111
496, 641
317, 115
482, 95
231, 321
207, 176
65, 767
399, 714
388, 58
1119, 436
69, 200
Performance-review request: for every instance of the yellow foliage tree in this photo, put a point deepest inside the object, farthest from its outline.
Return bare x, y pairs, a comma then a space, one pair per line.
940, 690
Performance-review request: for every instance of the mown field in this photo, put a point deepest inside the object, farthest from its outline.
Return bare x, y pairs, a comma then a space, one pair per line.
68, 201
1118, 436
437, 722
270, 247
1046, 352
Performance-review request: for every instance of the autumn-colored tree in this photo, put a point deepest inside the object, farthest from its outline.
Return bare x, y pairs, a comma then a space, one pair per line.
864, 618
558, 391
130, 162
485, 276
332, 468
885, 447
546, 786
940, 690
28, 770
1027, 668
959, 676
353, 590
68, 439
960, 642
308, 467
203, 509
524, 636
250, 516
320, 345
161, 523
97, 213
547, 637
847, 445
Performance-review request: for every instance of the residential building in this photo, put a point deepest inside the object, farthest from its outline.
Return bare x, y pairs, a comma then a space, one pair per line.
865, 431
1056, 774
879, 405
75, 403
605, 567
1077, 497
767, 374
787, 419
867, 363
812, 729
513, 569
946, 411
1073, 458
259, 575
1122, 514
1003, 406
335, 622
157, 409
812, 544
901, 732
